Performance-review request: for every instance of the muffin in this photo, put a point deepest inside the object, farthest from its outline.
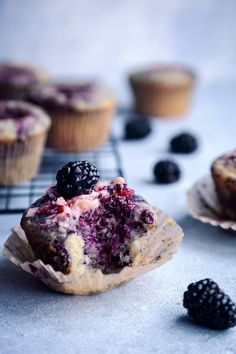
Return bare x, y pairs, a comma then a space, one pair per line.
23, 129
17, 80
163, 90
223, 172
85, 236
81, 114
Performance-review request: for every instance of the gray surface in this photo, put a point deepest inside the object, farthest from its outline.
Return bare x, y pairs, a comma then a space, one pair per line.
145, 316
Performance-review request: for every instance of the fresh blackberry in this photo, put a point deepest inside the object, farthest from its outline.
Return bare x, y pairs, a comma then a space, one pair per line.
209, 305
166, 171
76, 178
183, 143
137, 128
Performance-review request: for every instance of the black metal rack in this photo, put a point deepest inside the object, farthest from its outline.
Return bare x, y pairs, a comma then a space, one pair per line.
16, 199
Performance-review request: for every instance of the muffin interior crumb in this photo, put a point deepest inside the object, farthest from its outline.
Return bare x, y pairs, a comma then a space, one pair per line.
107, 220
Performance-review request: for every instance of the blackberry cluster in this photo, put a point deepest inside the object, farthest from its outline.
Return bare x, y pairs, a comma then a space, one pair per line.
166, 171
76, 178
137, 128
184, 143
209, 305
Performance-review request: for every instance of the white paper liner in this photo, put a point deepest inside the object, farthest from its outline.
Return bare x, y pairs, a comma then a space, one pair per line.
155, 249
203, 204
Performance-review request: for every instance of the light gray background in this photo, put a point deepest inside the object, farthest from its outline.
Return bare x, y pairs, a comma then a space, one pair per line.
106, 39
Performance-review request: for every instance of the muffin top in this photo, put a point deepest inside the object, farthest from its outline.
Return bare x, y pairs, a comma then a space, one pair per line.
225, 164
19, 120
73, 96
165, 75
20, 75
104, 217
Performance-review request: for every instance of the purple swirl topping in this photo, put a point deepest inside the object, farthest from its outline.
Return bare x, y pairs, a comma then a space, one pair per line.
63, 95
14, 74
8, 111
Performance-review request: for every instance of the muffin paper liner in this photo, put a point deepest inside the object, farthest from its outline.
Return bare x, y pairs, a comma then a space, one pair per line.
79, 131
161, 100
203, 204
20, 160
151, 251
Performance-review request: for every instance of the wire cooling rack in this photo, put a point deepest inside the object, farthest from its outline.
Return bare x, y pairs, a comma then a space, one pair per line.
16, 199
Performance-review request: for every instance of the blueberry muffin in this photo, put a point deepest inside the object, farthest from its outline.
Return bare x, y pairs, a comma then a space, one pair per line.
223, 172
81, 114
23, 130
88, 236
18, 79
163, 90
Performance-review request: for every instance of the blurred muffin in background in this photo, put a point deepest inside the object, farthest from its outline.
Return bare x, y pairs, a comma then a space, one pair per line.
163, 90
81, 114
23, 130
223, 171
18, 79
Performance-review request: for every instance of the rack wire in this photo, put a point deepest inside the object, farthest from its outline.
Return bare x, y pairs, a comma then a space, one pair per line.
16, 199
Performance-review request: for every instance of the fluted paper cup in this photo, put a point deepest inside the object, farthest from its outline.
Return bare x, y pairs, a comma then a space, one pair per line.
79, 131
20, 159
162, 99
148, 253
203, 205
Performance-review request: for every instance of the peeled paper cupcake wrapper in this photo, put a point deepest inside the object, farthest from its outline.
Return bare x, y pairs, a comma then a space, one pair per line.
160, 245
203, 204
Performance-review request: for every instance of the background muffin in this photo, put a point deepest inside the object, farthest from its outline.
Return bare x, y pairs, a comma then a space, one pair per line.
163, 90
23, 129
223, 171
81, 114
18, 79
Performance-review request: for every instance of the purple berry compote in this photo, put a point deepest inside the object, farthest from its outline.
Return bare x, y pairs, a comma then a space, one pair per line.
95, 229
72, 96
19, 120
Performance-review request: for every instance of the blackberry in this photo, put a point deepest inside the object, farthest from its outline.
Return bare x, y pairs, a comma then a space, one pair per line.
166, 171
183, 143
76, 178
137, 128
209, 305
